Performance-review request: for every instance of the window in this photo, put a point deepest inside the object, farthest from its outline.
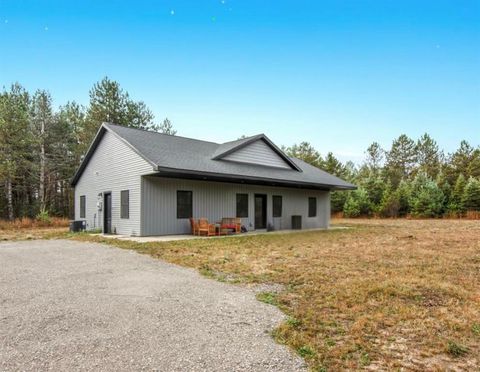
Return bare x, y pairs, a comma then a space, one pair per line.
124, 204
82, 206
312, 207
277, 205
242, 205
184, 204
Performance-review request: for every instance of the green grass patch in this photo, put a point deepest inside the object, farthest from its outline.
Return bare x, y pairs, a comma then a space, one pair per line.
476, 329
293, 322
306, 352
455, 349
268, 297
365, 359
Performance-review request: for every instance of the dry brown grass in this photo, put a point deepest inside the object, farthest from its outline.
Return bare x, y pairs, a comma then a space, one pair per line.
384, 294
28, 228
31, 223
36, 233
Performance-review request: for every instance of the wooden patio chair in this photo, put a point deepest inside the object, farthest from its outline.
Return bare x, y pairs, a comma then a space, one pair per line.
205, 228
194, 225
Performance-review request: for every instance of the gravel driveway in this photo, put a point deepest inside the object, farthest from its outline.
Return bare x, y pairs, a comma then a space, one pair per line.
68, 305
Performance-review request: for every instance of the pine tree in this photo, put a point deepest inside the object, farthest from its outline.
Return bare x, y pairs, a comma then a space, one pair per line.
473, 168
401, 159
110, 103
428, 156
403, 195
456, 199
375, 187
426, 199
165, 127
71, 116
357, 204
390, 203
306, 152
351, 208
337, 201
466, 161
15, 146
42, 121
375, 156
333, 166
471, 195
446, 188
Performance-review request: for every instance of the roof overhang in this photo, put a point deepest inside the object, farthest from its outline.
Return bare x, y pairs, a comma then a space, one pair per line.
239, 179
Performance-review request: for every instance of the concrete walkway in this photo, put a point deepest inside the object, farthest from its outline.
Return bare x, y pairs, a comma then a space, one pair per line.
169, 238
70, 306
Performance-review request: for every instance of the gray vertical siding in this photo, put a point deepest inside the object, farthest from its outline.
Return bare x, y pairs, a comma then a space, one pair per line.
113, 167
215, 200
257, 152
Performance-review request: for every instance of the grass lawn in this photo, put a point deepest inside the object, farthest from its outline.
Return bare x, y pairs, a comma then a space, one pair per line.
33, 233
384, 294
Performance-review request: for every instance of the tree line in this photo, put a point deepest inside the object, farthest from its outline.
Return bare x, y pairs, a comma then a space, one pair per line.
41, 147
412, 177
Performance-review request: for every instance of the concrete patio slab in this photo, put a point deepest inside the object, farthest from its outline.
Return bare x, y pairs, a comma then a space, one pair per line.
169, 238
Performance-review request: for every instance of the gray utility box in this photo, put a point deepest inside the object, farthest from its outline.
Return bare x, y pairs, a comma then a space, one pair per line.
78, 225
296, 222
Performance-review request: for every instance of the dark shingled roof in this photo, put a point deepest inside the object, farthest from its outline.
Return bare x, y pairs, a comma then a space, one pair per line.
190, 158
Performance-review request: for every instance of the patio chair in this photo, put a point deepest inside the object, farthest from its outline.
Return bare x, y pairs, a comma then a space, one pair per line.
205, 228
194, 225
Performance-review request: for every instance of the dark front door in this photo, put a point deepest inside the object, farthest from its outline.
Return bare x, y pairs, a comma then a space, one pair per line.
107, 213
260, 211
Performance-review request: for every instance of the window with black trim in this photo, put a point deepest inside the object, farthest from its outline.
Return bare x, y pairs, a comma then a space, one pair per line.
277, 205
124, 204
312, 207
82, 206
184, 204
242, 205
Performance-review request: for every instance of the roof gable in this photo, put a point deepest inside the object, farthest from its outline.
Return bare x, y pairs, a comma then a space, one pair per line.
104, 128
258, 150
259, 153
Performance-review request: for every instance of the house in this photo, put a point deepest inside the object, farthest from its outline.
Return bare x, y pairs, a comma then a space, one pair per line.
137, 182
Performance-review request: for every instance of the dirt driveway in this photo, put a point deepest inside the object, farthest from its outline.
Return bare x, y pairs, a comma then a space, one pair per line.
69, 305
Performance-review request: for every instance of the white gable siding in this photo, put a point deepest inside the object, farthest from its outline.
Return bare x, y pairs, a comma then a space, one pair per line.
257, 152
113, 167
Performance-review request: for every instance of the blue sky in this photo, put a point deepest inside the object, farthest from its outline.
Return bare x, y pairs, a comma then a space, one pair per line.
339, 74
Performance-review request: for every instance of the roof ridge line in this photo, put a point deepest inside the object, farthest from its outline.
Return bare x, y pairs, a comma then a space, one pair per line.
162, 134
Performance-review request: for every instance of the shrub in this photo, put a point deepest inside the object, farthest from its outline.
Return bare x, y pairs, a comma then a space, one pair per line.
390, 203
471, 195
357, 204
43, 218
456, 199
403, 196
338, 200
351, 207
427, 198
